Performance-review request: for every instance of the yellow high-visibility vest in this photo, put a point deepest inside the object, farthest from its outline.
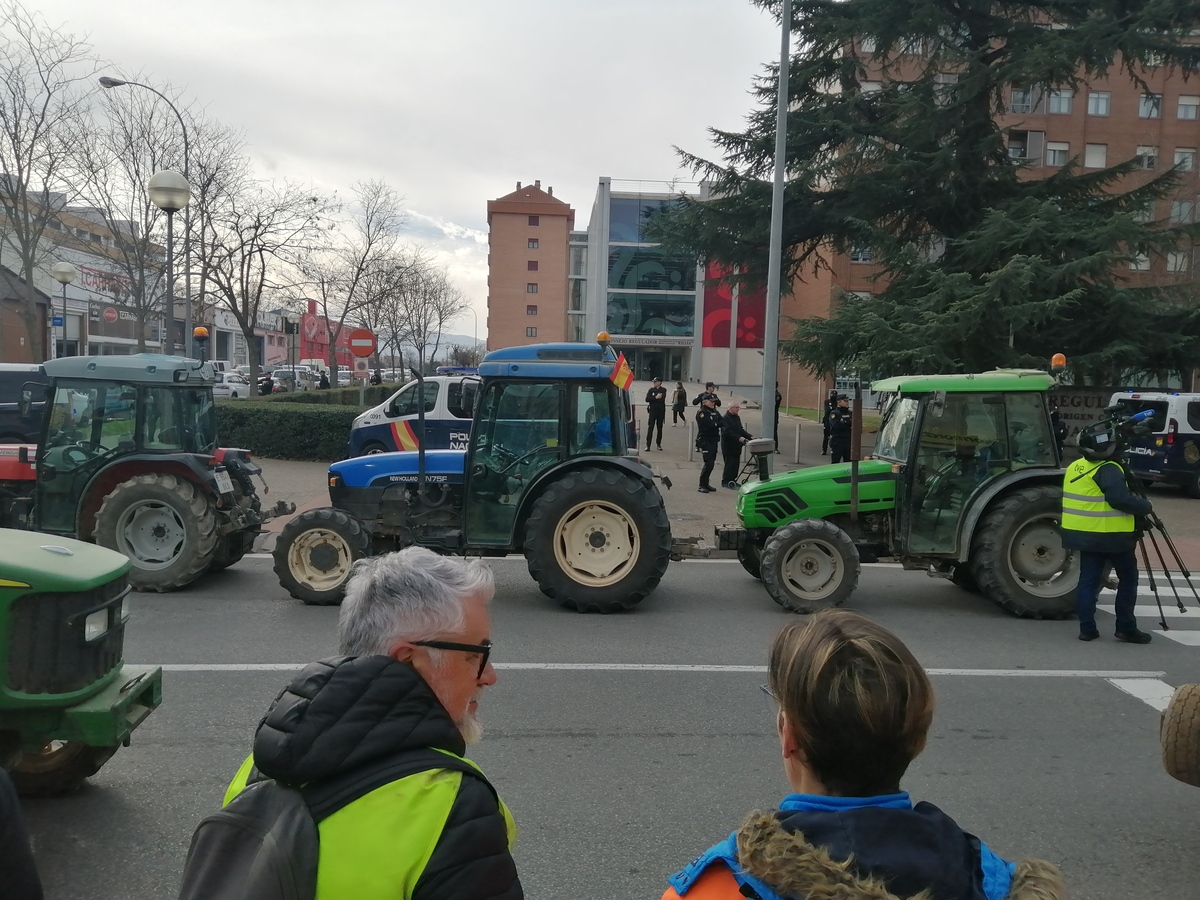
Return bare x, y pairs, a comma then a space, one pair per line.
1083, 505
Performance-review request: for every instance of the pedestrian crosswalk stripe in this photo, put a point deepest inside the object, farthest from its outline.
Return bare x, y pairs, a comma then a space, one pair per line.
1151, 691
1170, 611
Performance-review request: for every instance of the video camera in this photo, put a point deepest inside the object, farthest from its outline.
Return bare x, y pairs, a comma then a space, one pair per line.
1109, 438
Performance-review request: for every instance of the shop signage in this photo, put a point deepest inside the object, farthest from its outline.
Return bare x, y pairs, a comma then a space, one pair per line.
647, 340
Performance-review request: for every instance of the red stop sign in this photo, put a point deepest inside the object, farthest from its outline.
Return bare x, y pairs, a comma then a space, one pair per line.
110, 315
362, 342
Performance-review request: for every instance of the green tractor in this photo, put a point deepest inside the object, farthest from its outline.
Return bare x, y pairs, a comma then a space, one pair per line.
128, 458
67, 699
964, 482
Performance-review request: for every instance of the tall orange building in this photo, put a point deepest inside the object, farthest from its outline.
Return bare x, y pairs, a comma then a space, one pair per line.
529, 233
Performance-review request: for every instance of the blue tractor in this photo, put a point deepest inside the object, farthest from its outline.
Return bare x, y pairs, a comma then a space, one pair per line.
548, 472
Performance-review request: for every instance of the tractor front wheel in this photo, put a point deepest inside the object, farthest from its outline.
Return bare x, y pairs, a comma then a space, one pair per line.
1018, 558
166, 526
750, 556
59, 767
1180, 735
598, 540
810, 565
315, 552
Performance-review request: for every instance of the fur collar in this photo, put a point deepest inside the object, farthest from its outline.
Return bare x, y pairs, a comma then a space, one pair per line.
795, 868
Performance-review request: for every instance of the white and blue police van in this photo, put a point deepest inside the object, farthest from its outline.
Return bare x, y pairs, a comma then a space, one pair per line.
449, 402
1170, 452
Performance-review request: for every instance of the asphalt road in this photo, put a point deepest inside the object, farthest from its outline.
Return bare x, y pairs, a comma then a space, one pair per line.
621, 759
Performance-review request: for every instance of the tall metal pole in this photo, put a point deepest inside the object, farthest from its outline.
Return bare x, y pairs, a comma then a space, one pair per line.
169, 306
775, 253
64, 318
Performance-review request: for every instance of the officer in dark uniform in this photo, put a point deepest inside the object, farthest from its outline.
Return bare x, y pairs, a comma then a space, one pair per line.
840, 420
709, 393
830, 406
656, 411
708, 438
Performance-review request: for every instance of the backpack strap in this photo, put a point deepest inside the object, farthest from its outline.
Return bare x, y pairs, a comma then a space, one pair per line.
327, 796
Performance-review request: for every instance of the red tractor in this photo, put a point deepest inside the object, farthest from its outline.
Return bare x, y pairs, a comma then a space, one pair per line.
128, 459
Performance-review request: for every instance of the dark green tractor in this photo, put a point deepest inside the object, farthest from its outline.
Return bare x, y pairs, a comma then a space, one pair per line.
67, 699
964, 482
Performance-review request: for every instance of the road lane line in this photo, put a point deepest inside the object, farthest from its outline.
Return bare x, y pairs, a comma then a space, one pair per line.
669, 667
1187, 638
1171, 611
1151, 691
519, 558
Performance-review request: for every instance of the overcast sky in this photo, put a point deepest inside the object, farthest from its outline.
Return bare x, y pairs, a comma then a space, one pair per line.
450, 102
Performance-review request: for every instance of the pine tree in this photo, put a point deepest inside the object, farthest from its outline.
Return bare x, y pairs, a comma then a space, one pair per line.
983, 265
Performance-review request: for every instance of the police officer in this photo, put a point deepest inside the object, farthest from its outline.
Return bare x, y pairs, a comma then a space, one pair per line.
708, 438
656, 411
830, 405
840, 420
1099, 520
709, 393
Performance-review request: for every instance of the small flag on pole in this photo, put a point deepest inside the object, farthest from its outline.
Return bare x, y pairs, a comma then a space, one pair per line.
622, 375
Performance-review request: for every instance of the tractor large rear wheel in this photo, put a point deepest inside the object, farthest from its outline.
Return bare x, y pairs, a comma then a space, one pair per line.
315, 552
810, 565
165, 525
1180, 735
1018, 558
59, 767
598, 540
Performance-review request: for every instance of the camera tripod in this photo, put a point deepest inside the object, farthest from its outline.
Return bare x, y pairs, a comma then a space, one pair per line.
1154, 524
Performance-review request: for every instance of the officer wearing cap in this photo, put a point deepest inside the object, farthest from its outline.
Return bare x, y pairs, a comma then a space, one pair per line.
656, 410
709, 393
1099, 521
708, 438
840, 420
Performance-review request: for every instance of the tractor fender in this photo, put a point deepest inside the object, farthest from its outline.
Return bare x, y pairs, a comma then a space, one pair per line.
193, 468
1002, 485
629, 466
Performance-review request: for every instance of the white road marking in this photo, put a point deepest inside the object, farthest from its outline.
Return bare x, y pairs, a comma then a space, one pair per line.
1171, 611
518, 558
670, 667
1150, 691
1187, 638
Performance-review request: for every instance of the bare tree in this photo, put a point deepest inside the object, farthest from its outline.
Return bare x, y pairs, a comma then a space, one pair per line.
41, 104
423, 303
384, 298
116, 159
340, 278
255, 238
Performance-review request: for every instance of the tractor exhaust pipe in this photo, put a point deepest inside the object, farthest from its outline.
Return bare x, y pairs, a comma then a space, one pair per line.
420, 433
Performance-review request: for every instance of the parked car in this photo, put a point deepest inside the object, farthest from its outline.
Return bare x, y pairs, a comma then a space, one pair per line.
231, 385
449, 402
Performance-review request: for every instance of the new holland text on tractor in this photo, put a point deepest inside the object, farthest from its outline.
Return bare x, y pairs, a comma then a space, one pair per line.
128, 458
547, 473
964, 482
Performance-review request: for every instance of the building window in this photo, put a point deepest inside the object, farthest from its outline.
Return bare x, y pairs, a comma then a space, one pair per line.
1149, 106
531, 332
1095, 156
1189, 108
1185, 158
531, 288
1139, 262
532, 244
1147, 157
1177, 262
862, 255
531, 265
866, 43
533, 220
1057, 153
1098, 103
531, 309
1060, 102
1026, 144
1022, 101
870, 87
1143, 214
1182, 211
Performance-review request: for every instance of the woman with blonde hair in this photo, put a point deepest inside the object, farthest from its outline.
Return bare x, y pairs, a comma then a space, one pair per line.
854, 709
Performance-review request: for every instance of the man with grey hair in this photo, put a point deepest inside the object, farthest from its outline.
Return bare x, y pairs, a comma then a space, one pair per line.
393, 716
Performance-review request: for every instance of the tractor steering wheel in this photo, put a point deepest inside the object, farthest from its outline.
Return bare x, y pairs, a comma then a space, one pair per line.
76, 455
517, 460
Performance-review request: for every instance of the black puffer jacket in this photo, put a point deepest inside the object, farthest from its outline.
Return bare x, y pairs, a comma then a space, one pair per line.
341, 713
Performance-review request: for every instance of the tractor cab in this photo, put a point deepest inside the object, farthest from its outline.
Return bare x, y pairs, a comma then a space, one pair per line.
954, 440
100, 412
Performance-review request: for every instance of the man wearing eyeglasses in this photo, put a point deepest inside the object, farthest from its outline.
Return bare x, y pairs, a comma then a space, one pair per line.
395, 714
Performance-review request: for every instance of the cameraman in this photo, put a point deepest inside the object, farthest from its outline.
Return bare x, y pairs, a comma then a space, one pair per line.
1100, 521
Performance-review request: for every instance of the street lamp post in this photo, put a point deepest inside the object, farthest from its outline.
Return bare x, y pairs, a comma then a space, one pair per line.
64, 273
293, 319
170, 192
107, 82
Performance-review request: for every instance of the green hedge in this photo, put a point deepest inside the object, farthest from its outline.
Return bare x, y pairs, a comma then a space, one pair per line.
375, 394
305, 431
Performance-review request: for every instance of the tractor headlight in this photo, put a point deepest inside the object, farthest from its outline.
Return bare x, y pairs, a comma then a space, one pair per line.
95, 626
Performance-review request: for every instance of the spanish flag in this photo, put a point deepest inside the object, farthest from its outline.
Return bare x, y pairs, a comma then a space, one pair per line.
622, 375
406, 437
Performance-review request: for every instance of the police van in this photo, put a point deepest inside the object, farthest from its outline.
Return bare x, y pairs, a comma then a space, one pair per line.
449, 402
1170, 453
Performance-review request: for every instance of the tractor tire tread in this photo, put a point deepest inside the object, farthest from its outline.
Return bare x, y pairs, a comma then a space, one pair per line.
345, 524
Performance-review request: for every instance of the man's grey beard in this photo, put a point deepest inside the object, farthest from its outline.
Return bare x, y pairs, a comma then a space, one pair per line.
470, 728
